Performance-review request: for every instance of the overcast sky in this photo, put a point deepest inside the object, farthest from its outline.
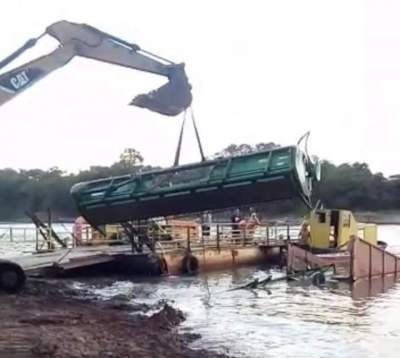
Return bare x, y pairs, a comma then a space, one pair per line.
262, 71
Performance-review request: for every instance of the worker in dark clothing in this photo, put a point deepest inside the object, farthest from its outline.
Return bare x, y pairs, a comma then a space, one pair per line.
206, 225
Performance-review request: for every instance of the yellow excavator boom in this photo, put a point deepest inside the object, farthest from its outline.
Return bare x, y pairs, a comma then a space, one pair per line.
86, 41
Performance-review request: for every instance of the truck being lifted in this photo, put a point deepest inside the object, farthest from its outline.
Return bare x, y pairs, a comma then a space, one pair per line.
83, 40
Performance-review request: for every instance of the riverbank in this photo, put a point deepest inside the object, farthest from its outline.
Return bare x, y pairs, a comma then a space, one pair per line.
384, 217
48, 319
379, 217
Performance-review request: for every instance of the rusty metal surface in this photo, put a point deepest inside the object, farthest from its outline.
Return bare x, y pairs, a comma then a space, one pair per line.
371, 261
300, 259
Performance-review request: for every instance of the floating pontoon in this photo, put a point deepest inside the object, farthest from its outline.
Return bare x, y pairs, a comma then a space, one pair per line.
281, 173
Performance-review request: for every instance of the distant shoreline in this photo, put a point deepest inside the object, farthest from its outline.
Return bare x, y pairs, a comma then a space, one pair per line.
381, 218
27, 221
374, 217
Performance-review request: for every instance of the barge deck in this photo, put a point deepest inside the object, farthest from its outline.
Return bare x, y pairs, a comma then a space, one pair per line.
188, 252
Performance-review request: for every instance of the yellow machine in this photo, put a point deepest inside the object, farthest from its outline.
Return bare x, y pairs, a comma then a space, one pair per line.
331, 228
85, 41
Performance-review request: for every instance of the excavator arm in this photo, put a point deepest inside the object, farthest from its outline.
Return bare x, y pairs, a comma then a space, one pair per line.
83, 40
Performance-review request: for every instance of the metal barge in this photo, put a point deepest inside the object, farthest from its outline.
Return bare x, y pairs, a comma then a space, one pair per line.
189, 248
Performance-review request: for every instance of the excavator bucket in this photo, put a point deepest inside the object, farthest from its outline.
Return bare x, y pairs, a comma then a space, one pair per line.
170, 99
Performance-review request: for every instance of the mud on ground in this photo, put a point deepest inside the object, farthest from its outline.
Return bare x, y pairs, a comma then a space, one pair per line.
49, 320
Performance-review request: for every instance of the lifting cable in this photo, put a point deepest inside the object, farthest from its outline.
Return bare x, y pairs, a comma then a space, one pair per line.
203, 158
179, 146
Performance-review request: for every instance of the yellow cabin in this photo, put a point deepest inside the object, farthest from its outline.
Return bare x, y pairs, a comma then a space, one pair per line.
331, 228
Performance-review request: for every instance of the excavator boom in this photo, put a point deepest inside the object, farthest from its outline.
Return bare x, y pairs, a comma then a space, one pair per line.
83, 40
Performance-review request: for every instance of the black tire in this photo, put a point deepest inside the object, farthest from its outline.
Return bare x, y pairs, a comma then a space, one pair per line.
12, 277
190, 265
318, 279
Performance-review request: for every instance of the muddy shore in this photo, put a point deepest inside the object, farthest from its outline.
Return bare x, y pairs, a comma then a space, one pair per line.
50, 320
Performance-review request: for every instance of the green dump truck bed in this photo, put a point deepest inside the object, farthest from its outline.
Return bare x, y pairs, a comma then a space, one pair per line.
281, 173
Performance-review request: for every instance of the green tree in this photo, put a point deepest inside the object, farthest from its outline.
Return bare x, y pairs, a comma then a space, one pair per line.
349, 185
241, 149
130, 158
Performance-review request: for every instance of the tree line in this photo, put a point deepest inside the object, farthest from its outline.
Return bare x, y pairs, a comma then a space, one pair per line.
352, 186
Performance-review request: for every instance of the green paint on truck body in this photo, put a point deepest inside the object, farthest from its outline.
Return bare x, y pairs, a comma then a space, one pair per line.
281, 173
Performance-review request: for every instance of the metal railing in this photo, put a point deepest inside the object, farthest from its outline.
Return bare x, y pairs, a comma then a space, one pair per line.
31, 236
27, 234
181, 235
227, 234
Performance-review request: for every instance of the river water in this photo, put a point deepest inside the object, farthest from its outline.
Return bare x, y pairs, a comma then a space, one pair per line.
292, 320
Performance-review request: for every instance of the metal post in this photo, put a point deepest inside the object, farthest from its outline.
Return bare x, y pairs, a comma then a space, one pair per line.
139, 247
306, 258
288, 231
383, 263
370, 262
280, 257
24, 234
37, 238
11, 234
352, 260
267, 229
188, 238
218, 247
49, 235
202, 237
132, 240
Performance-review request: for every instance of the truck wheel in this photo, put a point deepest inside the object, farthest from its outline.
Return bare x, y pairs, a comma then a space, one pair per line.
12, 277
318, 279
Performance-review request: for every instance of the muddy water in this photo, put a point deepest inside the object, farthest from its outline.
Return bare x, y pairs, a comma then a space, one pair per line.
292, 320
